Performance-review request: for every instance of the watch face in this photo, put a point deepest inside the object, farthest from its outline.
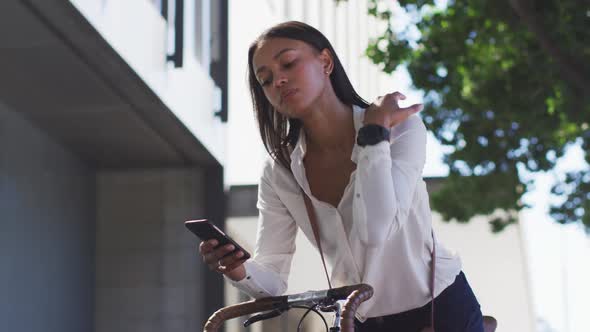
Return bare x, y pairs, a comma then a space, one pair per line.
372, 134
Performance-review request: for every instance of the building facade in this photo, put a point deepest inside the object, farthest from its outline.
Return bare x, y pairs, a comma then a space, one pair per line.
112, 134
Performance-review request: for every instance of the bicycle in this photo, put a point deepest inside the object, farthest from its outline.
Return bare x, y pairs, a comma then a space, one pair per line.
325, 300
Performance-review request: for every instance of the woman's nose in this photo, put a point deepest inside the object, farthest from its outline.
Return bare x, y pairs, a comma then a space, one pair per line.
280, 81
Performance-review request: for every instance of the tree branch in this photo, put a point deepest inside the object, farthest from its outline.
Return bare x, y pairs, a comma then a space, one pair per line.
569, 67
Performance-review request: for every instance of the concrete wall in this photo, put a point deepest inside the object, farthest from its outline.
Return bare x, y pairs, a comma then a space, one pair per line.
47, 218
82, 250
496, 266
149, 277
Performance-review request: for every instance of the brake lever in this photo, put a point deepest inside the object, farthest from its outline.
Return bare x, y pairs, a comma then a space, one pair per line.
263, 316
336, 308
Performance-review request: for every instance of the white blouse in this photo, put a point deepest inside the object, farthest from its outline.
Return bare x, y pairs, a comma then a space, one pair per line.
379, 234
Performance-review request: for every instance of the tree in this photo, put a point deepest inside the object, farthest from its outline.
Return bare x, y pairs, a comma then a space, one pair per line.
507, 85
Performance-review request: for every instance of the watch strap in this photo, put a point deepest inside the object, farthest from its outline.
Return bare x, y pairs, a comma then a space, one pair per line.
372, 134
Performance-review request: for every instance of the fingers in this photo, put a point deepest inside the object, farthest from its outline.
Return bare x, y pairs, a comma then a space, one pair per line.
391, 99
403, 114
221, 259
232, 261
397, 96
206, 246
212, 254
412, 109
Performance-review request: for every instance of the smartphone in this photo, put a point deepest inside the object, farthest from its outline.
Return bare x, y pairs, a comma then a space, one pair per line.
207, 231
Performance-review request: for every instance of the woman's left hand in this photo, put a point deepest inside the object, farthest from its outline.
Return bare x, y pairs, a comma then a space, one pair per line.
386, 112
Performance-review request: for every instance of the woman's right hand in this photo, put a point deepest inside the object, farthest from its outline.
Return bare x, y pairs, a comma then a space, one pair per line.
217, 259
386, 112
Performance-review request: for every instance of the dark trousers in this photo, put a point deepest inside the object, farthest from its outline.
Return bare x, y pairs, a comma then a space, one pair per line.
455, 310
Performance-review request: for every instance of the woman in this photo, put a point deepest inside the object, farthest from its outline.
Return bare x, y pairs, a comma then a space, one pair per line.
361, 166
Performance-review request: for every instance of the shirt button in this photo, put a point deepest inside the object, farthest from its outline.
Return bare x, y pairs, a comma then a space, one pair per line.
358, 195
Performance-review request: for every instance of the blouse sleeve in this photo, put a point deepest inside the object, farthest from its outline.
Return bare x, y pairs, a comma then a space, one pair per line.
387, 176
268, 271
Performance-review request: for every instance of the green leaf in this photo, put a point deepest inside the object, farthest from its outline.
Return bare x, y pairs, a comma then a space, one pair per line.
501, 88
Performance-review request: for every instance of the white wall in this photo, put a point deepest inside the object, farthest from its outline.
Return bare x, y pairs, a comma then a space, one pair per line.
137, 31
245, 150
496, 266
559, 257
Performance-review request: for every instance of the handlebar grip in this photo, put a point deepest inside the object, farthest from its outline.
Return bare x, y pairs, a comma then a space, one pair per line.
343, 292
242, 309
354, 300
354, 295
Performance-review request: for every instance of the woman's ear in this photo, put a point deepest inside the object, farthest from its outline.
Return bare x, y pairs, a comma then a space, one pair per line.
327, 61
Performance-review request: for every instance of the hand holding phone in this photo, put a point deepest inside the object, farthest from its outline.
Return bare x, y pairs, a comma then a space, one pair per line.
220, 252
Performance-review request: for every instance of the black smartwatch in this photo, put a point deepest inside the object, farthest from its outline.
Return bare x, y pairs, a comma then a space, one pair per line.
372, 134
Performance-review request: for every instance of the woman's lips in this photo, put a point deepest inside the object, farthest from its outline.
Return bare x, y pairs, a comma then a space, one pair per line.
287, 94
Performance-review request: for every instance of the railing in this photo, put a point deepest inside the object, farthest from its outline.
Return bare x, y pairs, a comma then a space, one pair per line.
178, 18
210, 32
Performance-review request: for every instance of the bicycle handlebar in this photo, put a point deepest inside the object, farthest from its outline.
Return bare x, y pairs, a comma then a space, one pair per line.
354, 295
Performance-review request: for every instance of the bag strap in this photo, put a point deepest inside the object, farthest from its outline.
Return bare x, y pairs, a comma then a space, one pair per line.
432, 274
316, 230
316, 233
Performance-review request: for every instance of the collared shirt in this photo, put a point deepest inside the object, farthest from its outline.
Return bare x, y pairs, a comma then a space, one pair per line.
379, 234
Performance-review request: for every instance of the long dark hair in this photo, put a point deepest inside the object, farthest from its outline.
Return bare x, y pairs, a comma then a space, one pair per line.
280, 133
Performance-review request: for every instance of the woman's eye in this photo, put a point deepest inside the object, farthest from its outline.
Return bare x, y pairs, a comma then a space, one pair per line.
286, 65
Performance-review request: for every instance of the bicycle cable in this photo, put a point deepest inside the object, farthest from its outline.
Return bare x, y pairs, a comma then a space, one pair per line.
309, 309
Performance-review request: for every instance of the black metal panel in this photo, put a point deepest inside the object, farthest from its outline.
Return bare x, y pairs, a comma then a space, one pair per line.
177, 56
219, 67
164, 8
